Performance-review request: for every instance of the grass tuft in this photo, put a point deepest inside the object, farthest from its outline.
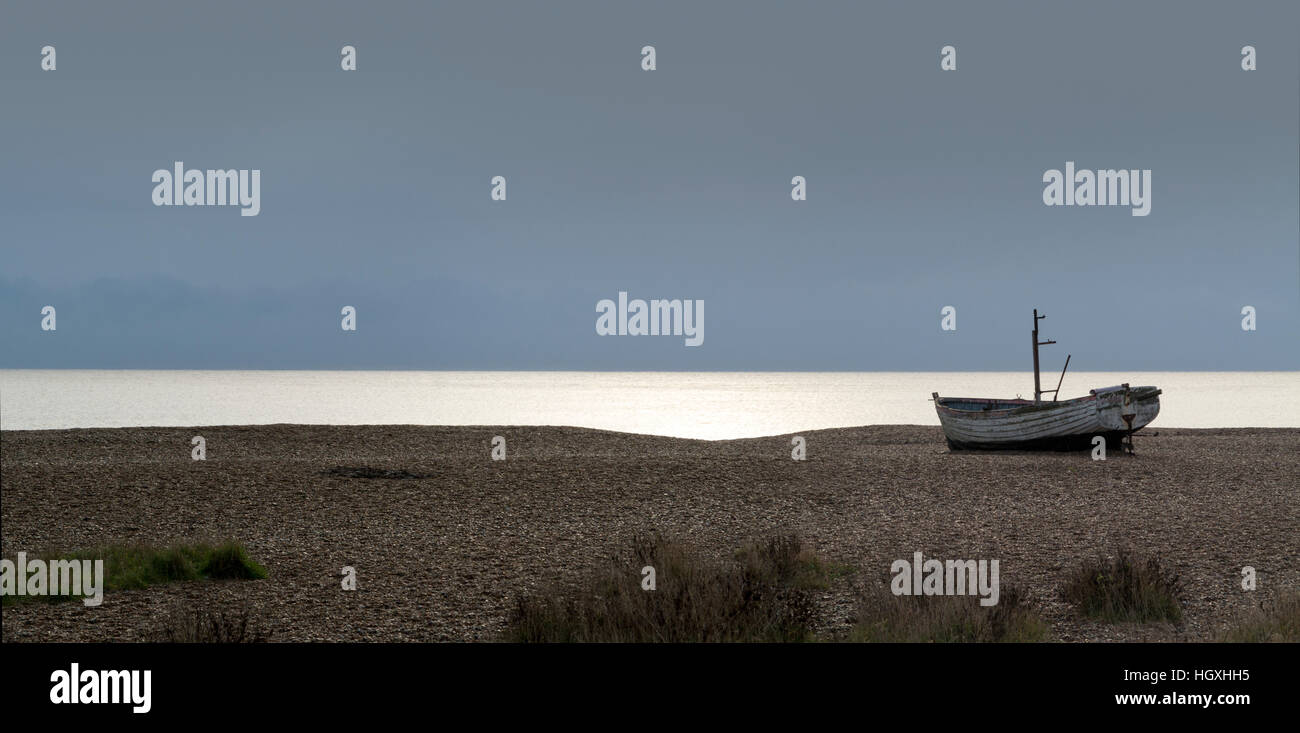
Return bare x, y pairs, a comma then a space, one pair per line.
230, 561
784, 560
1126, 588
170, 565
884, 617
761, 595
189, 625
1278, 621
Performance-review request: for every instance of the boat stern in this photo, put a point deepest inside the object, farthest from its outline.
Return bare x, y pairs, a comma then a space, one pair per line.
1124, 408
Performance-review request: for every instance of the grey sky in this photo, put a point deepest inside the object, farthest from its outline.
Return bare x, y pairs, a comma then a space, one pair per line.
924, 186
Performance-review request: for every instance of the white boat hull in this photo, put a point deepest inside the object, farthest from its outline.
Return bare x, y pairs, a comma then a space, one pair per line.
983, 424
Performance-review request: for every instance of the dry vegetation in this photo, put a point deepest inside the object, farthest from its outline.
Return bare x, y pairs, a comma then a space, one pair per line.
190, 625
761, 595
764, 594
1126, 587
1276, 621
887, 618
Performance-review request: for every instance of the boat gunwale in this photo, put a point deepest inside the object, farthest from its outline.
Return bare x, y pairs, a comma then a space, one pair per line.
1141, 394
1016, 405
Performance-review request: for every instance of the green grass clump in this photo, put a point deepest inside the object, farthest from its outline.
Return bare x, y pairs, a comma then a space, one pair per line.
762, 595
231, 562
1278, 621
1126, 588
884, 617
134, 567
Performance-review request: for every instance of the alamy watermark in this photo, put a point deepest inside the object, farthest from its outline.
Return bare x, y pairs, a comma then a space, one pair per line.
951, 578
53, 578
75, 686
180, 187
655, 318
1098, 188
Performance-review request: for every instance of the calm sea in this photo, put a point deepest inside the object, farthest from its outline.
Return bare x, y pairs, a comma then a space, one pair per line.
686, 404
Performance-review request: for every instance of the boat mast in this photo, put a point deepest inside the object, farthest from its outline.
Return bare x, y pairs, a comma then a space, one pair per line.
1038, 389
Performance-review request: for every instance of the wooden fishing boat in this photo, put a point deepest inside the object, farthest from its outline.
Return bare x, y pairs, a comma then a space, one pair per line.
1114, 413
